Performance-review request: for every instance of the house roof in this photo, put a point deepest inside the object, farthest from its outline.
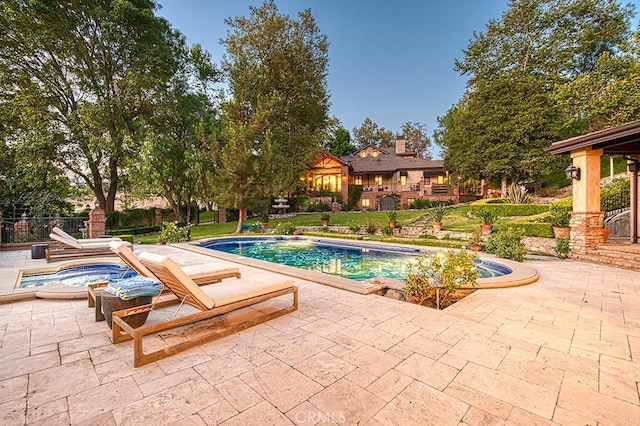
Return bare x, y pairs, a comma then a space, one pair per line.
387, 161
624, 139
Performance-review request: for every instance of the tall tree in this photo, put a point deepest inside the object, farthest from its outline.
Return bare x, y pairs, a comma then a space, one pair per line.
85, 73
417, 138
369, 133
518, 69
276, 68
341, 143
175, 161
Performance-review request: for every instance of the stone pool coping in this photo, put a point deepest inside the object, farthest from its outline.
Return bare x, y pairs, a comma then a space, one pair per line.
522, 274
55, 291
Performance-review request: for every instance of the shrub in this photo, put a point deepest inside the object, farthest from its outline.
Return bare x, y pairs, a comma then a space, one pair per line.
370, 227
517, 194
507, 245
562, 247
318, 207
487, 215
125, 237
392, 215
355, 191
354, 227
325, 216
387, 230
446, 270
437, 213
533, 229
285, 228
502, 209
172, 233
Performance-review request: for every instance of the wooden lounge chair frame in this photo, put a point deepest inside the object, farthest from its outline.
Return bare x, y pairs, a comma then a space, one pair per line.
64, 251
188, 292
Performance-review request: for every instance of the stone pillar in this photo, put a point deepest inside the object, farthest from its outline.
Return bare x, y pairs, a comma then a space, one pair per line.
222, 215
344, 188
157, 217
97, 223
587, 219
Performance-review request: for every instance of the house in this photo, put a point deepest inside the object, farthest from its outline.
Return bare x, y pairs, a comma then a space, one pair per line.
389, 177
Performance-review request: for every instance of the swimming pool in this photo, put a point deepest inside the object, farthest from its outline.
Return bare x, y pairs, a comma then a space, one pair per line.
76, 275
353, 260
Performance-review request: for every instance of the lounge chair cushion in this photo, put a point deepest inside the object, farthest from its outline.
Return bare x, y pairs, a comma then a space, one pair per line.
235, 291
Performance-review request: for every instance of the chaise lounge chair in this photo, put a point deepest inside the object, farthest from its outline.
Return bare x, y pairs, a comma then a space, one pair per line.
209, 302
201, 278
68, 237
65, 248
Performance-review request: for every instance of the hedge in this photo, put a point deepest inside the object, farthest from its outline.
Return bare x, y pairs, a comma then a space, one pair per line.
136, 231
511, 209
533, 229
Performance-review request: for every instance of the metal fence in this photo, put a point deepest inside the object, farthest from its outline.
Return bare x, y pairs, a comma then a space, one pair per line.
37, 229
614, 204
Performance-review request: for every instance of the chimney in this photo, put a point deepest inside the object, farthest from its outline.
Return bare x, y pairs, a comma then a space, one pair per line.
400, 144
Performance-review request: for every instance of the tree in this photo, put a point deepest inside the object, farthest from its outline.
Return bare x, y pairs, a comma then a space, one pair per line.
83, 74
519, 72
175, 161
341, 143
417, 139
369, 133
276, 68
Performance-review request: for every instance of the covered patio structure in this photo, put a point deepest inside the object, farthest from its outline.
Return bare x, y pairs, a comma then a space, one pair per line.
587, 219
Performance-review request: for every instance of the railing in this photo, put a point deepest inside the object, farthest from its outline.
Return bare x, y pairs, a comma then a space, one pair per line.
37, 229
614, 204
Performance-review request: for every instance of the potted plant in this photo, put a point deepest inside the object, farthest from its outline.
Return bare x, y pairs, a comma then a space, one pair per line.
560, 218
436, 214
392, 217
488, 218
475, 242
324, 217
264, 221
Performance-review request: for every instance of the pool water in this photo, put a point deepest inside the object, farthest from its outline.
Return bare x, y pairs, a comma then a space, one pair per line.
77, 276
355, 261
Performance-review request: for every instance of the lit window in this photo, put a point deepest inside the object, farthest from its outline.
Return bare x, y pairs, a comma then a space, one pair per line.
366, 202
411, 201
403, 180
374, 153
378, 180
440, 180
363, 154
358, 180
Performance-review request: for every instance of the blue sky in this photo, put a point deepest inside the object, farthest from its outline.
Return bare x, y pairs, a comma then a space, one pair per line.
391, 61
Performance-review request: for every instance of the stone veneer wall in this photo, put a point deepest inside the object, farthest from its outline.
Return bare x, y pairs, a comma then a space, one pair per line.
586, 231
533, 244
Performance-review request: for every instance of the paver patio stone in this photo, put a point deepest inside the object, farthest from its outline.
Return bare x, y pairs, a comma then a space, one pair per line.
476, 416
531, 397
102, 399
568, 362
13, 388
389, 385
372, 360
280, 384
428, 371
481, 351
47, 410
568, 418
324, 368
347, 403
240, 395
424, 346
217, 413
619, 387
61, 381
578, 398
169, 405
300, 348
167, 381
361, 377
372, 336
421, 405
531, 371
13, 412
220, 369
261, 414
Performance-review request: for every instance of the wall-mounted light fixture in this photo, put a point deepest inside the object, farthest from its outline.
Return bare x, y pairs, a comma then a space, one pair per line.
572, 172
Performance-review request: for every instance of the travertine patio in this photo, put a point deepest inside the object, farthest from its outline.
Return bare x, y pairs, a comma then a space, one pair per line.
565, 350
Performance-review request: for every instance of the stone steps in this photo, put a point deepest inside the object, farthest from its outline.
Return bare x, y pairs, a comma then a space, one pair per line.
620, 256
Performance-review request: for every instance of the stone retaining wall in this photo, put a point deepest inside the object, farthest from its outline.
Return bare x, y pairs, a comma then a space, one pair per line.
533, 244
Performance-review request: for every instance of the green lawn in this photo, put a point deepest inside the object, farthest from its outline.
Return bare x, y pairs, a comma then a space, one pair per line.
455, 220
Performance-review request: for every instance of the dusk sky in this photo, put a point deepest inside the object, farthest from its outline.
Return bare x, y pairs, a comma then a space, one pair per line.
391, 61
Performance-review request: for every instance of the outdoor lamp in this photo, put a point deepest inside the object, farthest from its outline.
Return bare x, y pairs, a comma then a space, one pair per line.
97, 203
572, 172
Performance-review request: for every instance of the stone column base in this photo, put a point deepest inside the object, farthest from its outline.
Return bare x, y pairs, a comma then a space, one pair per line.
586, 231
